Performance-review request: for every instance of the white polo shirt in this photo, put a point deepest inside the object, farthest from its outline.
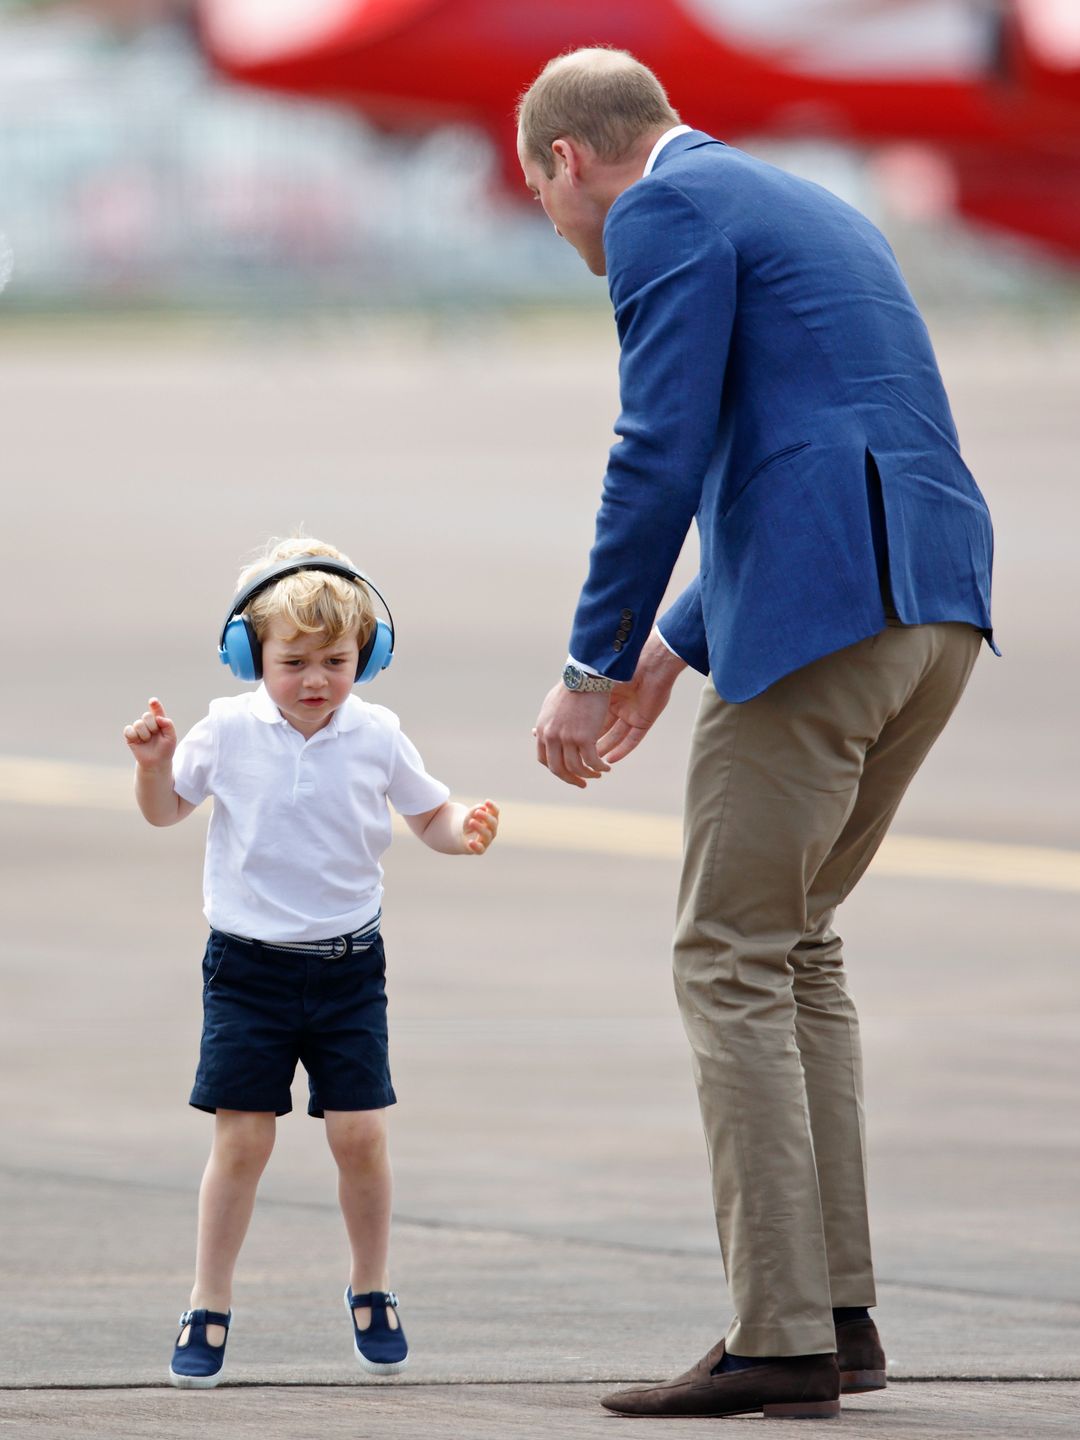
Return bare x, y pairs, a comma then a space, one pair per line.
299, 825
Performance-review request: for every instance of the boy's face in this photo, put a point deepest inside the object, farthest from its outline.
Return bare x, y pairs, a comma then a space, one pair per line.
306, 678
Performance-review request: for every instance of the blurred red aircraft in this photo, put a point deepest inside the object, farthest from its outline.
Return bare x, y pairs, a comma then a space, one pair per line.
989, 87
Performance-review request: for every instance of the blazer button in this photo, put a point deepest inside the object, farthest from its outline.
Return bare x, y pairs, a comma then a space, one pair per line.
617, 644
627, 615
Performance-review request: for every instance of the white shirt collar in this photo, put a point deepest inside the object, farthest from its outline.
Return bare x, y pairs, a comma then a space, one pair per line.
667, 135
263, 708
351, 715
347, 716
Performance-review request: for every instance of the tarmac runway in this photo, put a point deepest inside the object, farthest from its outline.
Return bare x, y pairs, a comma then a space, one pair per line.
553, 1236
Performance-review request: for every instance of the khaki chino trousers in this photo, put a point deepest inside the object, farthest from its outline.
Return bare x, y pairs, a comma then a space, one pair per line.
788, 797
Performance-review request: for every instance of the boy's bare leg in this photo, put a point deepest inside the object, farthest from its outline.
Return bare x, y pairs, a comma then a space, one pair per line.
243, 1140
357, 1141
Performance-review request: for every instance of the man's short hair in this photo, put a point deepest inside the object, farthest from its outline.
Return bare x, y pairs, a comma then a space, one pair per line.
602, 96
309, 601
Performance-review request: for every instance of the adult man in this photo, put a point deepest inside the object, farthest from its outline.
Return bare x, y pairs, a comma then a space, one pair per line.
778, 385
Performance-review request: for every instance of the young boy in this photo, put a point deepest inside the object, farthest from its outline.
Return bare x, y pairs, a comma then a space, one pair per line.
301, 771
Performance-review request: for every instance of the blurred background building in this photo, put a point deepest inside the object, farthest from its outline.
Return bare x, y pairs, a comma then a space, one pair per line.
136, 172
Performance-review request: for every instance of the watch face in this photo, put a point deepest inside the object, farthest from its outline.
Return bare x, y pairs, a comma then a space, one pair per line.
572, 677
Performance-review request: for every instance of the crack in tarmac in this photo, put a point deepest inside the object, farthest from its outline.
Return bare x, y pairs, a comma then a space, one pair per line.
461, 1227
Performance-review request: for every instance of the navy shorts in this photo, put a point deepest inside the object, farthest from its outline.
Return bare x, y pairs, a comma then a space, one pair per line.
265, 1008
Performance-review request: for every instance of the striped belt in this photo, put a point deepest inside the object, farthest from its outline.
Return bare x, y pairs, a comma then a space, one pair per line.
333, 949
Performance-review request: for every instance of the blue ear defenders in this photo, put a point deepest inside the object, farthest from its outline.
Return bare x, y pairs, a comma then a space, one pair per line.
240, 649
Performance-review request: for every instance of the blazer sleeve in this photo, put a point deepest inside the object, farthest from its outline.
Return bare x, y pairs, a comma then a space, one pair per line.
672, 277
683, 627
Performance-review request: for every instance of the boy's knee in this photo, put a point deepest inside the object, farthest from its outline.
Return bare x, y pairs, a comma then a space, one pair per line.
356, 1137
244, 1140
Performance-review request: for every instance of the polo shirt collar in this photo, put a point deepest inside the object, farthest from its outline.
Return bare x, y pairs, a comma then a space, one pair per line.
263, 708
349, 716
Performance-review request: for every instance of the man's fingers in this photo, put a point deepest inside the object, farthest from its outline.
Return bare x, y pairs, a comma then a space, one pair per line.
552, 757
559, 766
611, 737
618, 742
587, 765
580, 765
591, 756
623, 746
566, 732
569, 760
552, 754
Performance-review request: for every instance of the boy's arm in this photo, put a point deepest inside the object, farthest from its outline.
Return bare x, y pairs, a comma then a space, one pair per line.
454, 829
152, 741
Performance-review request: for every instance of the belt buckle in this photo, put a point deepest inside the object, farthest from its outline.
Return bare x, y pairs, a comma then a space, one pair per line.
341, 947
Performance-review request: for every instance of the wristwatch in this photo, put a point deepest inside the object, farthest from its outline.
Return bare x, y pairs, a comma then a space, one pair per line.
574, 678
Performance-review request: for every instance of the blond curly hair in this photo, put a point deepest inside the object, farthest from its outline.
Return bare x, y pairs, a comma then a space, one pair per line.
311, 601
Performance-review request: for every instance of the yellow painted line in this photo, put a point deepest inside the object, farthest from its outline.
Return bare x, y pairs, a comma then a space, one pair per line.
589, 830
58, 782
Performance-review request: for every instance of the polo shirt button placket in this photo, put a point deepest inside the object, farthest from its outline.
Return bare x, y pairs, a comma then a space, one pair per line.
303, 784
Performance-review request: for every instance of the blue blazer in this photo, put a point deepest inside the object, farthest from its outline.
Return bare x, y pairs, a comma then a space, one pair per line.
778, 385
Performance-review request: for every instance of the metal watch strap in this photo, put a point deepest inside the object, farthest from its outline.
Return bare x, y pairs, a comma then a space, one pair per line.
581, 682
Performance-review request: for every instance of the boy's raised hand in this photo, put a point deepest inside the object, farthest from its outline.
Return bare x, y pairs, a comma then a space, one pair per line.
480, 827
152, 738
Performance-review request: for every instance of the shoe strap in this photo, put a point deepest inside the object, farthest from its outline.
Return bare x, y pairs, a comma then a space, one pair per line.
205, 1317
374, 1299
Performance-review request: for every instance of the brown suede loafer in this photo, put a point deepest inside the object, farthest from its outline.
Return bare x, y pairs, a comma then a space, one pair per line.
860, 1357
795, 1387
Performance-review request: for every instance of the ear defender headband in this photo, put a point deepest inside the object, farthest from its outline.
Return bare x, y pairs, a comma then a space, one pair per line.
241, 650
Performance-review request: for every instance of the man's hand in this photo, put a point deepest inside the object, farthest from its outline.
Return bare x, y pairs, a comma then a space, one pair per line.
566, 733
636, 705
581, 734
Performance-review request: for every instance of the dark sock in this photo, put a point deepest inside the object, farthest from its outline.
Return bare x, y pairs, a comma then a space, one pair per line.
730, 1363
